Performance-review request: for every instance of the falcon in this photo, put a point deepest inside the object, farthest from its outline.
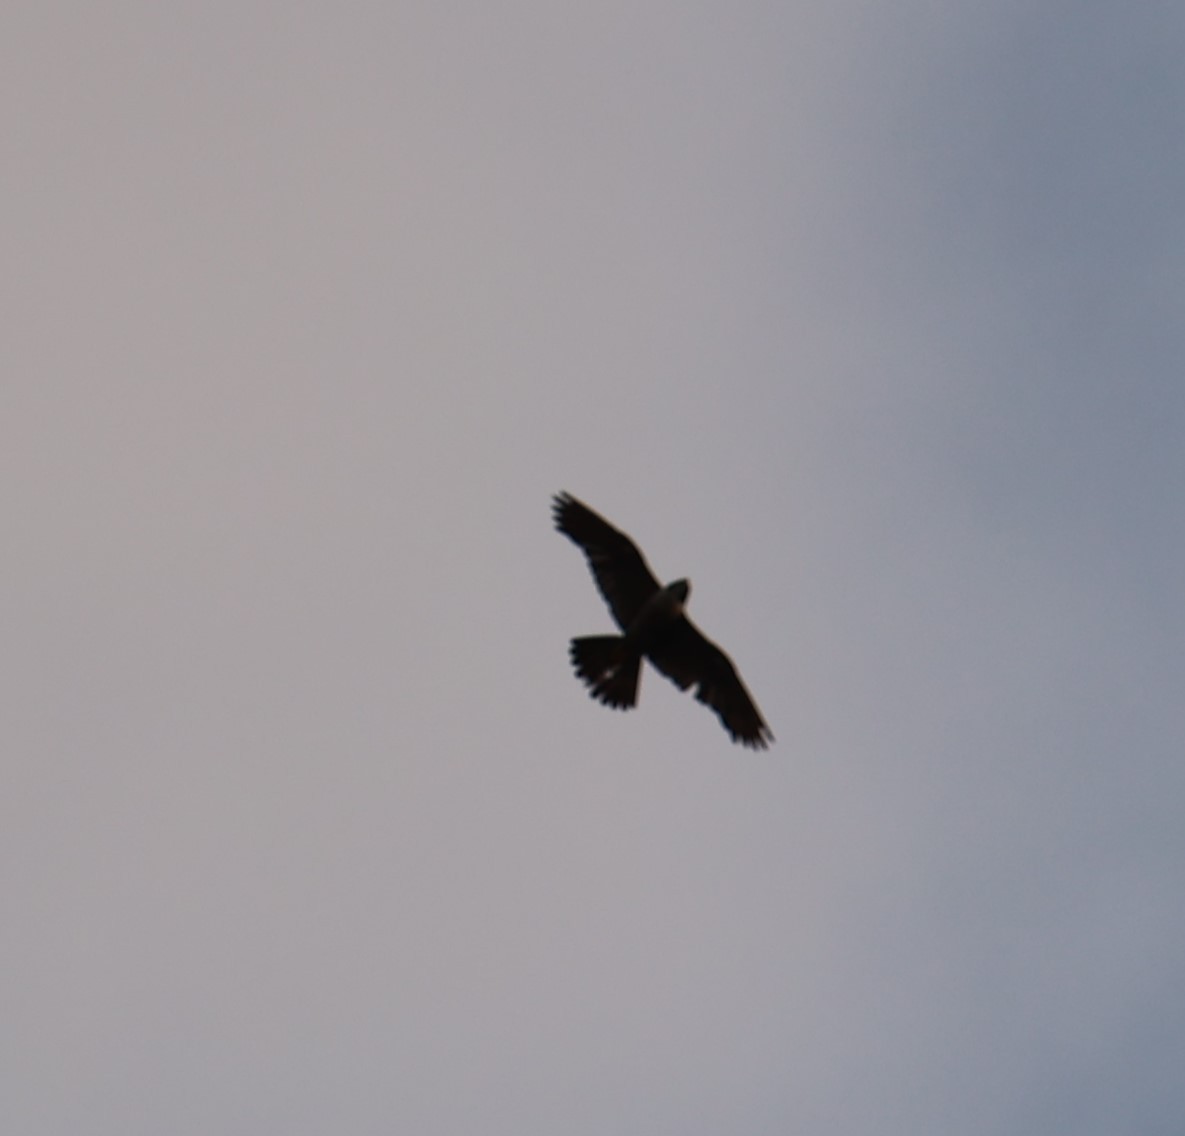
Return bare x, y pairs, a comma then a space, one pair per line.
654, 626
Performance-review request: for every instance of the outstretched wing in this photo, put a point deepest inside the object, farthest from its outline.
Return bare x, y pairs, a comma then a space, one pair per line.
617, 566
688, 658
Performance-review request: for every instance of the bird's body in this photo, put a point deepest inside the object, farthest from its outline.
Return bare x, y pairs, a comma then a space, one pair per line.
653, 626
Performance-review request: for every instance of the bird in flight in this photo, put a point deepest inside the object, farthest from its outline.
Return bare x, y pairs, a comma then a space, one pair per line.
653, 626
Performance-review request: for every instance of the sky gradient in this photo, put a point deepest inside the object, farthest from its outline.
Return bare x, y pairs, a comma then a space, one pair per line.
867, 319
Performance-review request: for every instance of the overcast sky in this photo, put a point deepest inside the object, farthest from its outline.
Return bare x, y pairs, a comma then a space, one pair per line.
866, 317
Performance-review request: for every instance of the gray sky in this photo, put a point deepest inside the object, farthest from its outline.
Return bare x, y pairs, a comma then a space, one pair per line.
866, 317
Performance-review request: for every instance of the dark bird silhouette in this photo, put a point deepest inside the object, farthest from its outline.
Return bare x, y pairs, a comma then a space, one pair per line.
653, 626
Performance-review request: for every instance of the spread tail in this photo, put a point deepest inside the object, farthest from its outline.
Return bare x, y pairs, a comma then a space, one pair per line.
609, 668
